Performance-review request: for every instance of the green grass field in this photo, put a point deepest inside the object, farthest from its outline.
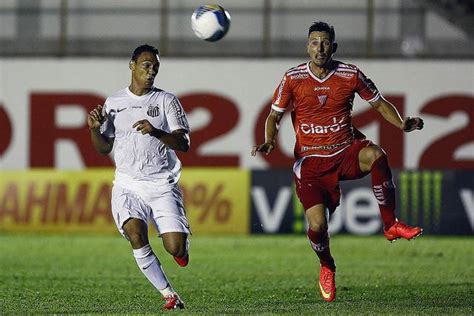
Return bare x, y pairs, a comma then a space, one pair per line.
238, 275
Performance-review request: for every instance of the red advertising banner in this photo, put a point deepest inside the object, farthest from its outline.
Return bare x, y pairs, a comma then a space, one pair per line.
43, 119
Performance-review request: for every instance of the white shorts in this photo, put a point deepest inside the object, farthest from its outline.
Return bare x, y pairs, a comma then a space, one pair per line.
160, 204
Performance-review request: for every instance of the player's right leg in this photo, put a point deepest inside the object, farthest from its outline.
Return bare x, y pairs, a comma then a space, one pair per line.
319, 239
317, 187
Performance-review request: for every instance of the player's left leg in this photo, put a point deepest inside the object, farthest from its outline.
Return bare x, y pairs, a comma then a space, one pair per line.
374, 160
169, 218
177, 245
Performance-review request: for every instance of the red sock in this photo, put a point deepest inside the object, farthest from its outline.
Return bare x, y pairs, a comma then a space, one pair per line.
384, 190
320, 244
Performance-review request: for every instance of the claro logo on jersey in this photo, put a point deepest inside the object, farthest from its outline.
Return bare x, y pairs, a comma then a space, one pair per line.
323, 129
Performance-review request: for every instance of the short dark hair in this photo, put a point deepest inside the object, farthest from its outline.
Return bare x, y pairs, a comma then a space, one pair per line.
321, 26
144, 48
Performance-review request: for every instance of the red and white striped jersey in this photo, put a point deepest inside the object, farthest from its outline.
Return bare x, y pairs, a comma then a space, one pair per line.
322, 108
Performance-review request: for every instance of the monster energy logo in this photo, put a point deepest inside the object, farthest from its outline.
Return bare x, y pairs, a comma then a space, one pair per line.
421, 198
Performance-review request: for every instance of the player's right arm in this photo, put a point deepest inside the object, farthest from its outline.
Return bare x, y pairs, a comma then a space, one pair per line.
101, 143
271, 130
280, 101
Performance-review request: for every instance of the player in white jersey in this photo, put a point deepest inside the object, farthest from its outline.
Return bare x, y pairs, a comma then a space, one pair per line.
145, 125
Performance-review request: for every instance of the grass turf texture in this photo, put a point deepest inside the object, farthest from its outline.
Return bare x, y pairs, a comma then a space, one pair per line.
264, 274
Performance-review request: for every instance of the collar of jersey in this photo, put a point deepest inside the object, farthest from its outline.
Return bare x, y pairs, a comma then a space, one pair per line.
308, 69
138, 97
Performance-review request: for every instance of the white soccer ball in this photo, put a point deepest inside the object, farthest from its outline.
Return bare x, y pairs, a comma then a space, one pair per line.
210, 22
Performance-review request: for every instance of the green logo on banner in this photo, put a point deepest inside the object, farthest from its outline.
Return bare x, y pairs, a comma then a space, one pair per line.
421, 198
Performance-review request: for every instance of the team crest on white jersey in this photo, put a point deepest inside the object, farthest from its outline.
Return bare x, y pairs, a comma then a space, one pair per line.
153, 111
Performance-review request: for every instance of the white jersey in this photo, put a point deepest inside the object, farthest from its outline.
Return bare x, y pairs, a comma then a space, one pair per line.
138, 156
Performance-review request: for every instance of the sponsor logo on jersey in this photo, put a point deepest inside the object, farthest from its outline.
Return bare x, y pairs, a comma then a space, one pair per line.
321, 88
299, 76
344, 74
280, 90
323, 129
153, 111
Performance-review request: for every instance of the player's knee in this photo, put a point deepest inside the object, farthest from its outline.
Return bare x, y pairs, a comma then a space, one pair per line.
137, 239
318, 227
375, 154
180, 253
175, 249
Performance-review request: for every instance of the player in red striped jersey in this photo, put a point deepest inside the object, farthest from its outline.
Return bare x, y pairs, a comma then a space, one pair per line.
328, 148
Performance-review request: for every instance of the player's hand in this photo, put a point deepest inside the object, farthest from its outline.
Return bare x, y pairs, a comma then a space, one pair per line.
95, 117
412, 123
144, 127
265, 148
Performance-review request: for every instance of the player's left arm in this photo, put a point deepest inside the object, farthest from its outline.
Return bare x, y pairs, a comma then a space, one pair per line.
390, 113
368, 91
176, 140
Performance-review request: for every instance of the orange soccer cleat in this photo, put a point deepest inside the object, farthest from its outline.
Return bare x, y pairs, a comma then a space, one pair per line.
182, 261
327, 283
402, 230
173, 302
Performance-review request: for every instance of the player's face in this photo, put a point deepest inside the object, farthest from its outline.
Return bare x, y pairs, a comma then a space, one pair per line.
144, 70
320, 48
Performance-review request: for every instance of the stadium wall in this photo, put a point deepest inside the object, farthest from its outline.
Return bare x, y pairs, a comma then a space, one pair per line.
45, 149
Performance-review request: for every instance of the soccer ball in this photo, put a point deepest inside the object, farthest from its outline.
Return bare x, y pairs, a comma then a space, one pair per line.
210, 22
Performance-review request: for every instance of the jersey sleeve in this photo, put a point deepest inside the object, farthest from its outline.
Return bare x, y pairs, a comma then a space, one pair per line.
175, 115
282, 95
107, 128
366, 88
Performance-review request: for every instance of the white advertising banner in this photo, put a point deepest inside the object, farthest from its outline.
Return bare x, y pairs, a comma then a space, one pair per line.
44, 103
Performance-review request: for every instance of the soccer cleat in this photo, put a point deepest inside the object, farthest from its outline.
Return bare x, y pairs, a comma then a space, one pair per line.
402, 230
173, 302
327, 283
182, 261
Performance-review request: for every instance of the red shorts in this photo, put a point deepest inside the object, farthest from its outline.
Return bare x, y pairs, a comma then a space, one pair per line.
320, 176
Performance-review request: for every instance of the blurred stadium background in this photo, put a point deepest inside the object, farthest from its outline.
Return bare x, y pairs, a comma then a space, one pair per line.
59, 58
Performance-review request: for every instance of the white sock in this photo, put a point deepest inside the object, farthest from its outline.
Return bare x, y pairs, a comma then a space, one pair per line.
151, 268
